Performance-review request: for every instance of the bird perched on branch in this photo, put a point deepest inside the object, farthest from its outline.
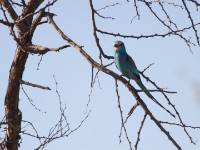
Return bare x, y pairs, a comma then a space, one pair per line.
127, 67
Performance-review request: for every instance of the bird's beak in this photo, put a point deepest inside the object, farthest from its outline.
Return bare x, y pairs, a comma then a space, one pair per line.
115, 45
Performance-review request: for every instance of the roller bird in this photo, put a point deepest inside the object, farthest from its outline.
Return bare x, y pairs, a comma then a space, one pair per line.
126, 65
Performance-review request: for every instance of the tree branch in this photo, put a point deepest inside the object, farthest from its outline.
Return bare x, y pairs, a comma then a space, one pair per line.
35, 23
122, 118
196, 3
175, 32
31, 101
139, 132
192, 22
6, 23
9, 9
34, 85
29, 11
95, 34
115, 76
173, 106
158, 90
180, 125
37, 49
34, 4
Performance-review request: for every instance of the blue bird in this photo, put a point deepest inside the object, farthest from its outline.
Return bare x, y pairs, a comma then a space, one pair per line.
127, 67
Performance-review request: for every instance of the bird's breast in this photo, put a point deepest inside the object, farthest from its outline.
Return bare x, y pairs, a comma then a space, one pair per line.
120, 61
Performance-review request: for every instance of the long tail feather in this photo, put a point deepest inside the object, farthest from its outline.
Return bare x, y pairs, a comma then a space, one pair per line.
163, 107
150, 96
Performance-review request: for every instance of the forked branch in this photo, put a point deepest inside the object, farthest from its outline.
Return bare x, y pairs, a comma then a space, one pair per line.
115, 76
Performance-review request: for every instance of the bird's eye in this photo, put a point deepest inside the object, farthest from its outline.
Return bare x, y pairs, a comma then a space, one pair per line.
118, 45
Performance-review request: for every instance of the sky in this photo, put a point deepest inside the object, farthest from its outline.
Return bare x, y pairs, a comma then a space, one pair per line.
175, 68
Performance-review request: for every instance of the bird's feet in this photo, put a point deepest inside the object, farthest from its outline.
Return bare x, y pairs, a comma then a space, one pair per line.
122, 75
129, 80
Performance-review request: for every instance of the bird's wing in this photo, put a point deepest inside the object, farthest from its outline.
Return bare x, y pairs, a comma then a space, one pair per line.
131, 65
116, 62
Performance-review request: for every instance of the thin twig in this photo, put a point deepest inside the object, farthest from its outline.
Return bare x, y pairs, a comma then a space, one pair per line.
95, 34
39, 62
112, 5
139, 132
122, 119
147, 67
158, 90
192, 22
116, 77
34, 85
180, 125
173, 106
31, 101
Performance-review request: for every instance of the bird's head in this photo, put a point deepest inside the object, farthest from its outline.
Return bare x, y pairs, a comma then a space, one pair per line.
118, 45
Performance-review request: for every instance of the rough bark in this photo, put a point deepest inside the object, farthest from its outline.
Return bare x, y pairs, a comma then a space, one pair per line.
13, 114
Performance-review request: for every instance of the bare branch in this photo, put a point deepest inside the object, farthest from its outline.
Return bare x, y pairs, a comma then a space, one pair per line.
173, 4
26, 27
17, 4
112, 5
115, 76
35, 23
6, 23
103, 16
34, 85
9, 9
37, 49
59, 130
95, 34
132, 110
39, 62
109, 64
31, 101
146, 36
53, 134
173, 106
63, 117
30, 9
187, 41
139, 132
4, 13
23, 2
169, 19
180, 125
122, 119
158, 90
136, 9
195, 1
192, 22
147, 67
34, 5
93, 80
34, 129
3, 123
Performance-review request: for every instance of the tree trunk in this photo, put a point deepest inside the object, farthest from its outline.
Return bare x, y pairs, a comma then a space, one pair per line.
13, 114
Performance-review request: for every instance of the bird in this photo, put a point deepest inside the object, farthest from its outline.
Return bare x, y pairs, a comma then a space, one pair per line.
126, 65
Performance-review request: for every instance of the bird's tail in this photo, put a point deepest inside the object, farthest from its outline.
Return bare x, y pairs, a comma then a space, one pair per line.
150, 96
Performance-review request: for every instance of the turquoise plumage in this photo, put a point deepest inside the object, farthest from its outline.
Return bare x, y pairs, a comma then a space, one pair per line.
127, 67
